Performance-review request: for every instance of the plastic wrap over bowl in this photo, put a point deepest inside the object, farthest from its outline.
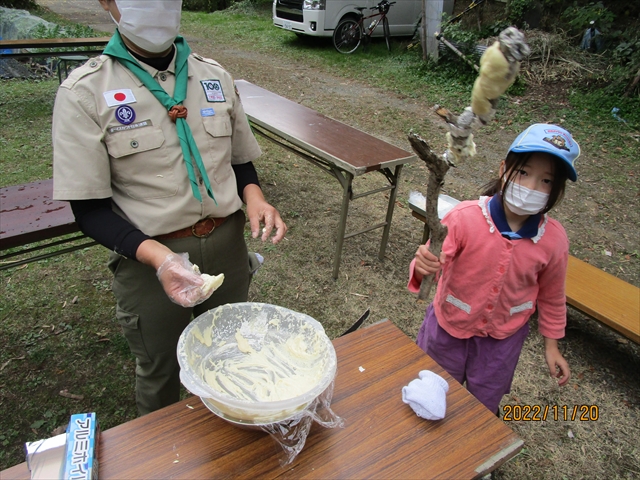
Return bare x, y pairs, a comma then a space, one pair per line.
255, 363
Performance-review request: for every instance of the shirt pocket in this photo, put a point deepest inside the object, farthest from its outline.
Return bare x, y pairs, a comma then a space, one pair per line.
218, 132
139, 163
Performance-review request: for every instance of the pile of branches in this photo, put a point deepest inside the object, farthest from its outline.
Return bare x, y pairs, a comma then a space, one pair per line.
555, 58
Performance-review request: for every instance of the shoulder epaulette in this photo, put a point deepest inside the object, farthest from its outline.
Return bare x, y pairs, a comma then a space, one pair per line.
90, 66
206, 60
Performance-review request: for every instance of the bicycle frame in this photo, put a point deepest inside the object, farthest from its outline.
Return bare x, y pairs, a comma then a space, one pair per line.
350, 32
368, 31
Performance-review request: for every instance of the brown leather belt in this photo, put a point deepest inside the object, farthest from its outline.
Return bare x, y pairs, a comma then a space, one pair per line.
201, 229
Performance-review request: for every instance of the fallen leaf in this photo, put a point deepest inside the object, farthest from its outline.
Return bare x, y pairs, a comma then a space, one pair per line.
73, 396
75, 299
8, 361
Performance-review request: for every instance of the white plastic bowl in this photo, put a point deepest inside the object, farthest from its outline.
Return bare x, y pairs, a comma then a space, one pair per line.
297, 359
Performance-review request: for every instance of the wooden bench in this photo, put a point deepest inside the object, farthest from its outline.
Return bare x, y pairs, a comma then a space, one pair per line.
592, 291
341, 151
53, 47
604, 297
68, 50
29, 215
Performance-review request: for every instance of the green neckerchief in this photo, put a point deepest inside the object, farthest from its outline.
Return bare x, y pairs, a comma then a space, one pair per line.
116, 49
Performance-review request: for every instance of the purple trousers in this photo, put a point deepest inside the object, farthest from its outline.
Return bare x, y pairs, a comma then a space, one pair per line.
485, 363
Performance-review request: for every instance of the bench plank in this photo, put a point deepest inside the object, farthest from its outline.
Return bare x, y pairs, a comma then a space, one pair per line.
55, 42
353, 150
28, 214
604, 297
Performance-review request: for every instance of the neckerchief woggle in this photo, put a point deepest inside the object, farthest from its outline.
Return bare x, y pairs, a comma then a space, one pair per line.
116, 49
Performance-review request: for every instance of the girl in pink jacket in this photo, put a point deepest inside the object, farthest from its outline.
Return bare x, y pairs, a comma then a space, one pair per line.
502, 259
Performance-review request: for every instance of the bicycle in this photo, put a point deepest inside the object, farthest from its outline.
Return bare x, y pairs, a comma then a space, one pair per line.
351, 32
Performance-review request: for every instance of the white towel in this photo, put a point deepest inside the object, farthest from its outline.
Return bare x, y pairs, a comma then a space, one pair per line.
427, 395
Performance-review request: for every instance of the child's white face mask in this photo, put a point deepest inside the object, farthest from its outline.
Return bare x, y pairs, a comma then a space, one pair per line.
152, 25
523, 201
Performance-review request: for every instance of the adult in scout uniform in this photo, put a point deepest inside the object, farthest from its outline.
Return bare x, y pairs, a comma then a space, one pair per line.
154, 152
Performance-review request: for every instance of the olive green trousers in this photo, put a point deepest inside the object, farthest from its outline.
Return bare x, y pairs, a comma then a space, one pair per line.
152, 323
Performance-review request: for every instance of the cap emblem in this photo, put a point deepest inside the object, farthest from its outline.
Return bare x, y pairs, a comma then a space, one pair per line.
557, 141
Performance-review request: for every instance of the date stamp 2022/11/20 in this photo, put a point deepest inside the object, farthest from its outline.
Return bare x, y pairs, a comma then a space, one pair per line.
542, 413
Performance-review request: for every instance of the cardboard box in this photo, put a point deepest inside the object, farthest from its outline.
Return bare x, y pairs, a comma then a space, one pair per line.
81, 457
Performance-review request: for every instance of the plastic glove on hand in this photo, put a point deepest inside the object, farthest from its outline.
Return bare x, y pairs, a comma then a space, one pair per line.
427, 395
182, 281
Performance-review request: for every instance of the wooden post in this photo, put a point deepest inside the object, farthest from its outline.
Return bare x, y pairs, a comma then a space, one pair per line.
432, 20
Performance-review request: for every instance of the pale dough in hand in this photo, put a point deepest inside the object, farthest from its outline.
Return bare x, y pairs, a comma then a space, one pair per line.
211, 283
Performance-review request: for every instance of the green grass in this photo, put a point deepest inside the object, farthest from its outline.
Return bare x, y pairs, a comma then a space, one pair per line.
25, 130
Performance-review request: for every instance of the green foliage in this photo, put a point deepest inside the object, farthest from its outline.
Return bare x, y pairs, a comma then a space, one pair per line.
516, 10
205, 5
578, 17
597, 104
20, 4
464, 40
67, 31
494, 29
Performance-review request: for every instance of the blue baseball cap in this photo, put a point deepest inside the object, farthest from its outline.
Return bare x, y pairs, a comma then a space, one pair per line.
544, 137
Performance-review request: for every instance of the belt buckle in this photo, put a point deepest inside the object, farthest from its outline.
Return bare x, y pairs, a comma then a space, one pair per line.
213, 227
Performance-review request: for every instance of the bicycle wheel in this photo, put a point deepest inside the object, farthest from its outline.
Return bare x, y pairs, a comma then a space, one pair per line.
387, 34
347, 36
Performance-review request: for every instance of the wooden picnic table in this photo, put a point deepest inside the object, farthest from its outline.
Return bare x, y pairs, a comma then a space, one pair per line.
382, 437
340, 150
47, 46
28, 214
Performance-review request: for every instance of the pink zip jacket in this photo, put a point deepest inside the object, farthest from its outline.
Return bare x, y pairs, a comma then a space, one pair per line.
490, 285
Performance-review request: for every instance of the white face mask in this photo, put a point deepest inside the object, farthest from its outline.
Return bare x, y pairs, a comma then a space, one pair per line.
152, 25
522, 201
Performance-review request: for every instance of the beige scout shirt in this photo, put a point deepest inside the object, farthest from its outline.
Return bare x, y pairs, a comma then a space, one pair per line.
139, 163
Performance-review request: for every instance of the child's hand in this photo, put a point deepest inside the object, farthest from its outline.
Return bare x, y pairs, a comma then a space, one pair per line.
558, 366
427, 263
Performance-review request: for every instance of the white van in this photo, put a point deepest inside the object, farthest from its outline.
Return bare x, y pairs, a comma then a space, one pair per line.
320, 17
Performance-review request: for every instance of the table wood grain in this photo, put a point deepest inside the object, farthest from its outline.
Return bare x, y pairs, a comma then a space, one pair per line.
382, 437
351, 149
29, 214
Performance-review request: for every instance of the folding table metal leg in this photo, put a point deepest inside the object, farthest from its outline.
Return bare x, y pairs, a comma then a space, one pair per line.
346, 182
394, 180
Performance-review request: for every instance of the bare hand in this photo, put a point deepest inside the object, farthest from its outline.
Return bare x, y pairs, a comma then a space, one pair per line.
260, 212
427, 263
558, 366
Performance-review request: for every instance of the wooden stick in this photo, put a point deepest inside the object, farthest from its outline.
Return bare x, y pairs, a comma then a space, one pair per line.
438, 167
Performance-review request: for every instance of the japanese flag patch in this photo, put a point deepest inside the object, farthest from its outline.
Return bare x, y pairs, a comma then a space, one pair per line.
124, 96
213, 90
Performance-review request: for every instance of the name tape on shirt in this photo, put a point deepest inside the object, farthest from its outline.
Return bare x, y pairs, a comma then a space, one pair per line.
131, 126
124, 96
213, 90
